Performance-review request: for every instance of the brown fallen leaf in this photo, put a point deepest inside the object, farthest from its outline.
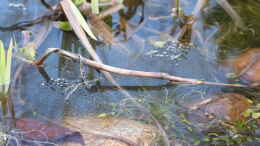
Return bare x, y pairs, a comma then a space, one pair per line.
226, 106
247, 65
112, 131
34, 130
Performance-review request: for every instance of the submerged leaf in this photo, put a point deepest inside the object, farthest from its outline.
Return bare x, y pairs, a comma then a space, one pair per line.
247, 65
113, 131
226, 106
34, 130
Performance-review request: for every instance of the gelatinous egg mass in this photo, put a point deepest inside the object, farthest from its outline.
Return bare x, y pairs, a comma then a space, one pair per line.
169, 50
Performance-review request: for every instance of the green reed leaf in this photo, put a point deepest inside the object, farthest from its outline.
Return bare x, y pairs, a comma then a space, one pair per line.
95, 6
9, 63
81, 20
2, 63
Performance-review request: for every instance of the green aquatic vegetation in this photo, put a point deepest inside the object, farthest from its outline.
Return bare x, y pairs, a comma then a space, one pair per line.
253, 112
27, 52
64, 25
233, 39
5, 66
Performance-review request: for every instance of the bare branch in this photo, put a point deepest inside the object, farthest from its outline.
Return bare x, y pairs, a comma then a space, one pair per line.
127, 72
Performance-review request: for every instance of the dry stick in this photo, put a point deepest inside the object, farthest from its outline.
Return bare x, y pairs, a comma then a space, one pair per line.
82, 36
127, 72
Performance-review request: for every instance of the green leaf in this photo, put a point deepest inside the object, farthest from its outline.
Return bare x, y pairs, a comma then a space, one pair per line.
247, 113
9, 63
5, 66
2, 63
255, 115
81, 20
95, 6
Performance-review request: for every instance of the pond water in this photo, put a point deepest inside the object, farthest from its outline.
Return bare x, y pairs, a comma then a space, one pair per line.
52, 92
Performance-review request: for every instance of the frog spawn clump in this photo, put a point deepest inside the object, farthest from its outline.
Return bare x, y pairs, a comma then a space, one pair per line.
171, 50
65, 84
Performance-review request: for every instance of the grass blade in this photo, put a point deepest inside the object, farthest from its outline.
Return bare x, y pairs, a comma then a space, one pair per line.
9, 63
95, 6
2, 63
81, 19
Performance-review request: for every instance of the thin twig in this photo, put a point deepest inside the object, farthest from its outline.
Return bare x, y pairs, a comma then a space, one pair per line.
127, 72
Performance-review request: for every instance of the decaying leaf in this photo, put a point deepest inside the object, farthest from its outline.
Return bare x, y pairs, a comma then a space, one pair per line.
33, 130
226, 106
247, 65
112, 131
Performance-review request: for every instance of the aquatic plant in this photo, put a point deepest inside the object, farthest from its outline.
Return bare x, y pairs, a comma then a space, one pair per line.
5, 66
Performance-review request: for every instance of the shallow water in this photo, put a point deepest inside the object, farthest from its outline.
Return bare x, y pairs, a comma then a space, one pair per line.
216, 39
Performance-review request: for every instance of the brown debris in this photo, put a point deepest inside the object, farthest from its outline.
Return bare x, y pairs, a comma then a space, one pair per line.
112, 131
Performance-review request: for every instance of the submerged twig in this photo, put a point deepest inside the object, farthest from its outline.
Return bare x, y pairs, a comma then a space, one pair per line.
127, 72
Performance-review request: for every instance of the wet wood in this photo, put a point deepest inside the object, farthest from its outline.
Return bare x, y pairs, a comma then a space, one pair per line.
127, 72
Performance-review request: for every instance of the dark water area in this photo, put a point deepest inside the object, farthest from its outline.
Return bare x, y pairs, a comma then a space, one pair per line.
53, 93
